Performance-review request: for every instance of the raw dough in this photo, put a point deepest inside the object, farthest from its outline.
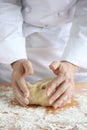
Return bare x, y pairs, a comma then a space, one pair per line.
38, 92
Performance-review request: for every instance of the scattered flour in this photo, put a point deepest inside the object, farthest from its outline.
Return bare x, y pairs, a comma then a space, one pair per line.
15, 117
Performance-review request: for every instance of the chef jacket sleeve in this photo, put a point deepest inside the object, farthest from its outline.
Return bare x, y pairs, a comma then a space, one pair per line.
12, 42
76, 48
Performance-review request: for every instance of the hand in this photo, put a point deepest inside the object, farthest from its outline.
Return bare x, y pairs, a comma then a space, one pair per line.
61, 88
21, 68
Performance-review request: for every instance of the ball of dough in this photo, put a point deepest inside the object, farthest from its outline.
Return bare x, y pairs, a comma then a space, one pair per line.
38, 92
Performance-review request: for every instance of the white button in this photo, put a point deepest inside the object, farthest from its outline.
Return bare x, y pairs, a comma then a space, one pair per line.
60, 13
27, 9
45, 27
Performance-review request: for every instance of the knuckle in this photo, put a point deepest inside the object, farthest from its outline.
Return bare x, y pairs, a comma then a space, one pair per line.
56, 96
60, 103
27, 62
20, 81
54, 82
24, 90
19, 96
62, 86
66, 98
20, 102
50, 86
61, 91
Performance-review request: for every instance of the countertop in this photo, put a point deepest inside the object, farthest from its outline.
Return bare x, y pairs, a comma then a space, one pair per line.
72, 116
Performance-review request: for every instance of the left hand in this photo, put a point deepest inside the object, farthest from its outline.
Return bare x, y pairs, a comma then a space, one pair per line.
21, 69
61, 88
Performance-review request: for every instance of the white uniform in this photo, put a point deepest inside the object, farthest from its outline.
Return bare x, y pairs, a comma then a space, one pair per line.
52, 30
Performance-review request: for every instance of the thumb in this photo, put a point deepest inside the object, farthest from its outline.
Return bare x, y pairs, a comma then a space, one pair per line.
54, 65
28, 69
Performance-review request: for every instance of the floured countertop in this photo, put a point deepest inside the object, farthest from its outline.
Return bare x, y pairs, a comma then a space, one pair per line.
72, 116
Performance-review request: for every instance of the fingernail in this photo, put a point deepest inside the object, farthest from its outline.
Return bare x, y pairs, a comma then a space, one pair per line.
48, 93
59, 105
50, 101
26, 101
55, 106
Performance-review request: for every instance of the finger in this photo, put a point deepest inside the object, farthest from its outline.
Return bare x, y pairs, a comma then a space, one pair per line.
28, 68
15, 87
64, 98
19, 96
60, 90
23, 87
55, 83
54, 65
21, 102
57, 71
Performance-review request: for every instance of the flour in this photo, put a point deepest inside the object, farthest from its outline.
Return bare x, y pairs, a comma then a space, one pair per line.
15, 117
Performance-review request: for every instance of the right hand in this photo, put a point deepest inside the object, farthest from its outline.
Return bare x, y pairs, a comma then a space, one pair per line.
21, 69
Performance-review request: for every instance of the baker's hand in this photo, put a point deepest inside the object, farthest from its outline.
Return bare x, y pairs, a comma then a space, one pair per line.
21, 69
62, 87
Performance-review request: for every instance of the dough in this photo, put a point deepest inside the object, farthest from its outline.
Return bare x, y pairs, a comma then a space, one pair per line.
38, 92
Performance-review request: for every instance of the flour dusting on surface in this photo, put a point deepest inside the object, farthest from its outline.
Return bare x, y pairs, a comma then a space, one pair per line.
15, 117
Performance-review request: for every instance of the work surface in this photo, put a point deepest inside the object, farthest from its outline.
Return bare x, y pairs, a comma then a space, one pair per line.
72, 116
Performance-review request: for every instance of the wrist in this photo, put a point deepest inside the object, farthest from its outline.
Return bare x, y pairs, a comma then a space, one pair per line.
17, 62
13, 64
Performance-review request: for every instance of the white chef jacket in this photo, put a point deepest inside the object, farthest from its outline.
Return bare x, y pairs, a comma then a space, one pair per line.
52, 30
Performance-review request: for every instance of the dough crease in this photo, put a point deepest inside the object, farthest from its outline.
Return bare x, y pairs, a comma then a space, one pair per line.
38, 92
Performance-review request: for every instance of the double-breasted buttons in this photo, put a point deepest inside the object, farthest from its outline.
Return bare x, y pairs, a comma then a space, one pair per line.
60, 14
27, 9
